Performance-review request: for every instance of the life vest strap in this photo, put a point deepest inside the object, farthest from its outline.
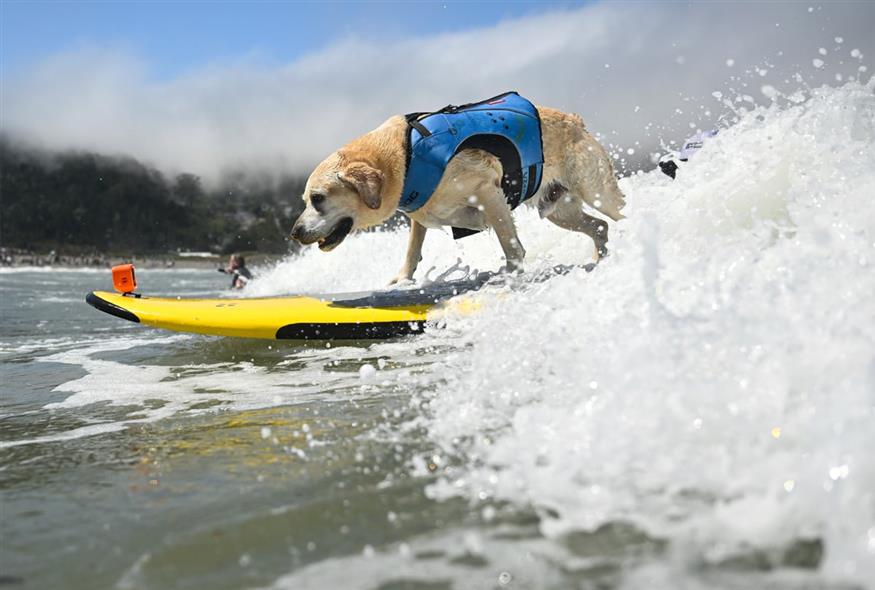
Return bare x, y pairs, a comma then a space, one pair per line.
413, 121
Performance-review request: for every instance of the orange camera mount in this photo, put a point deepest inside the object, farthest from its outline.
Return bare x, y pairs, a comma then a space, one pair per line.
124, 280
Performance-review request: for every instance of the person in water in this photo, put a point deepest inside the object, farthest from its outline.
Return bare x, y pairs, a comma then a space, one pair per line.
692, 145
240, 275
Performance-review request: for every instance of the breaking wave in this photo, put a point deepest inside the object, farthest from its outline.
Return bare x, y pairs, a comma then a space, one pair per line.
713, 383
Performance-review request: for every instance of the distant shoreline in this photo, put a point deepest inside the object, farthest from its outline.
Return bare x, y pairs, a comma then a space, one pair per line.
18, 259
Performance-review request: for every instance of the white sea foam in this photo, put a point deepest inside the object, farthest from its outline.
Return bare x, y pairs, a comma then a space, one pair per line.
448, 560
713, 382
184, 389
369, 260
241, 384
49, 269
53, 344
82, 432
58, 299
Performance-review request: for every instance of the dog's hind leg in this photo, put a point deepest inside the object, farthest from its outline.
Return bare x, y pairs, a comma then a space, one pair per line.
550, 198
414, 253
589, 173
568, 214
497, 214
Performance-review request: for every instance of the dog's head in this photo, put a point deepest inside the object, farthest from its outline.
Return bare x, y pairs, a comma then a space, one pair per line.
340, 196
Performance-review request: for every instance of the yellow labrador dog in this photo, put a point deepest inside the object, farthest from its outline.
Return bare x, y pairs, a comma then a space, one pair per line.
360, 185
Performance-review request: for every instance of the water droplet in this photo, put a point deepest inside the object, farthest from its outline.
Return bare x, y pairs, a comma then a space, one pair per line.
367, 372
488, 513
838, 472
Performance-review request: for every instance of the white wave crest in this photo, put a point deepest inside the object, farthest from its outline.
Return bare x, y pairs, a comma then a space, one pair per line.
713, 382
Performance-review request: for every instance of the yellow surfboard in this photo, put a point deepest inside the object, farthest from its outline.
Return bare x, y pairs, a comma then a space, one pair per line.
351, 316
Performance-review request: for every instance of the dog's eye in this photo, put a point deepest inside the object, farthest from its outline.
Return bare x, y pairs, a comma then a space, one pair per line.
317, 199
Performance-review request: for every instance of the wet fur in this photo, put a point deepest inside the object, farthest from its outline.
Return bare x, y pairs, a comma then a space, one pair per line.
363, 181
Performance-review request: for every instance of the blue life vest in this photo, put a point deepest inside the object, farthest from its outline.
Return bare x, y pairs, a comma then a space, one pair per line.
507, 126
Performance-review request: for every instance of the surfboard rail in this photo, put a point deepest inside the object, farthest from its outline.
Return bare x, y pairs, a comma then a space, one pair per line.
366, 315
274, 318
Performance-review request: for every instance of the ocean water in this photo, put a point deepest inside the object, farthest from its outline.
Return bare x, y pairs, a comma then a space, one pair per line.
698, 412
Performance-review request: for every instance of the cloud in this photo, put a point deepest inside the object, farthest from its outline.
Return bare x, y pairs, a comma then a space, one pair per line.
636, 72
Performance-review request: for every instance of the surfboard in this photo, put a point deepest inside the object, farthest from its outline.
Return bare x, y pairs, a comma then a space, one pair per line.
347, 316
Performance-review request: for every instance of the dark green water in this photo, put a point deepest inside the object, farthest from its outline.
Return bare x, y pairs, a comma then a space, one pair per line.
134, 458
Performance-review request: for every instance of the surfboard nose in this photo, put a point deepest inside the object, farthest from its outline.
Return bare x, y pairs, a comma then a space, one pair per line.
97, 302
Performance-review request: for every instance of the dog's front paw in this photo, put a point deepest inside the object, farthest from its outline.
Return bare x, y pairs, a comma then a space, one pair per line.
401, 279
511, 268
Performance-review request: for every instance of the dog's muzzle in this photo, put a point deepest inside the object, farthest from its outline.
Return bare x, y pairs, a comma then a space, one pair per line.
337, 235
326, 242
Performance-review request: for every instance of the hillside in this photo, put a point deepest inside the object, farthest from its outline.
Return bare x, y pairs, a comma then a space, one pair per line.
80, 202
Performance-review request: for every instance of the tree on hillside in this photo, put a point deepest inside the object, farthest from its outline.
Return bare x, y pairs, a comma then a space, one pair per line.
80, 201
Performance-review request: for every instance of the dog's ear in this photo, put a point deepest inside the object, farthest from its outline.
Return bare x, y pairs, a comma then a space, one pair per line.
366, 181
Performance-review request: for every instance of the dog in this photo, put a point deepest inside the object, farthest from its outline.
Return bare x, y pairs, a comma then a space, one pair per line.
362, 184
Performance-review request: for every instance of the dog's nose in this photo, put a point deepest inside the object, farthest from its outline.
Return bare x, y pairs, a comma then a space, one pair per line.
296, 232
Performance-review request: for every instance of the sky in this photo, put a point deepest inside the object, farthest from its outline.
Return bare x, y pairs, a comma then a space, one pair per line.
205, 87
178, 37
